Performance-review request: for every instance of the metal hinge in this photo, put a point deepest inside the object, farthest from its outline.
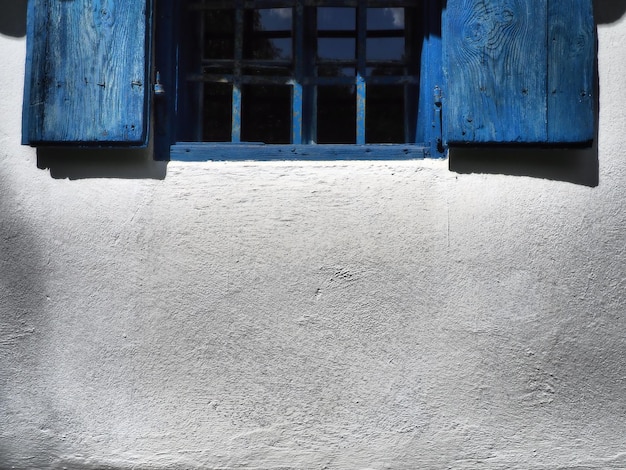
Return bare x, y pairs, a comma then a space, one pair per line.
437, 148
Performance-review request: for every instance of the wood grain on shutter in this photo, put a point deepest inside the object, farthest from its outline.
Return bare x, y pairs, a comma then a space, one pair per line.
518, 71
571, 71
87, 76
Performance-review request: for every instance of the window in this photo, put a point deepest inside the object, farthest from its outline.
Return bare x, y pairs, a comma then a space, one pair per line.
309, 78
305, 76
294, 74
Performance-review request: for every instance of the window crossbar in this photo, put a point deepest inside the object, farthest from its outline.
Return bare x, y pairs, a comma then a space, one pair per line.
312, 81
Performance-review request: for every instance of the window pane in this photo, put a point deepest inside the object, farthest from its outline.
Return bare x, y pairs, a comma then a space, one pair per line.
385, 48
384, 115
268, 34
265, 48
333, 48
217, 112
333, 25
385, 18
266, 114
275, 19
389, 43
218, 32
336, 115
329, 18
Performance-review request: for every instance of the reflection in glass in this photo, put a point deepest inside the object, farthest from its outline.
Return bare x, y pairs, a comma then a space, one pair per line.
260, 48
329, 18
389, 45
385, 18
332, 23
385, 48
333, 48
267, 34
275, 19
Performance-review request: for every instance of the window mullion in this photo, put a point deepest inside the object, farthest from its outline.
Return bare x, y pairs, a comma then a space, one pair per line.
309, 92
236, 101
297, 96
199, 125
361, 25
412, 44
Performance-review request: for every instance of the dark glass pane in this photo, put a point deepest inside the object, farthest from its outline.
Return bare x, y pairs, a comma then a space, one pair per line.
217, 112
336, 48
384, 114
329, 18
266, 114
340, 20
336, 115
218, 32
282, 47
268, 34
275, 19
385, 48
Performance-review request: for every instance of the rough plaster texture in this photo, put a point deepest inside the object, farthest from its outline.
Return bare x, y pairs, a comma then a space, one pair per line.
372, 315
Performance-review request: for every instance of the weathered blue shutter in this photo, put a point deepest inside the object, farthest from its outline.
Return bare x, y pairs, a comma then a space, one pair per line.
519, 71
87, 72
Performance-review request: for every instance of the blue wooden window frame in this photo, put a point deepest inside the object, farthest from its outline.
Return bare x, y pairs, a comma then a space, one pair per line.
423, 113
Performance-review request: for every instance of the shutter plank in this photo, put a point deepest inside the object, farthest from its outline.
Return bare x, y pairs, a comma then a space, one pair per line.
496, 71
34, 92
87, 72
571, 71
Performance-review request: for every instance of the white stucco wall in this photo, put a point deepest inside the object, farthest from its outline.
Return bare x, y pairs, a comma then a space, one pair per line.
340, 315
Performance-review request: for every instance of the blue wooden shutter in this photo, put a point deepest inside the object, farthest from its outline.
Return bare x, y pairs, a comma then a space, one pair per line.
519, 71
87, 72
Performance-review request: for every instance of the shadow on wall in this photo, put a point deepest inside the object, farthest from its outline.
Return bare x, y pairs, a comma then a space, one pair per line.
608, 11
75, 163
579, 166
23, 324
13, 18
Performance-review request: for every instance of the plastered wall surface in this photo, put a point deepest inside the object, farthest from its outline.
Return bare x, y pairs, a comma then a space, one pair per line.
334, 315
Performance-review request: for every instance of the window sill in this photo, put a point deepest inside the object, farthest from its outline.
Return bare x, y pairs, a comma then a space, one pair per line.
200, 152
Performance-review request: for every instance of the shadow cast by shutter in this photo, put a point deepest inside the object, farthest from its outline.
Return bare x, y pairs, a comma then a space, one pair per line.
577, 166
13, 18
83, 163
608, 11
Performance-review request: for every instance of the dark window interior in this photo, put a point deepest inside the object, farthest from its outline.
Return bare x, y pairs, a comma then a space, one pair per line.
295, 72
